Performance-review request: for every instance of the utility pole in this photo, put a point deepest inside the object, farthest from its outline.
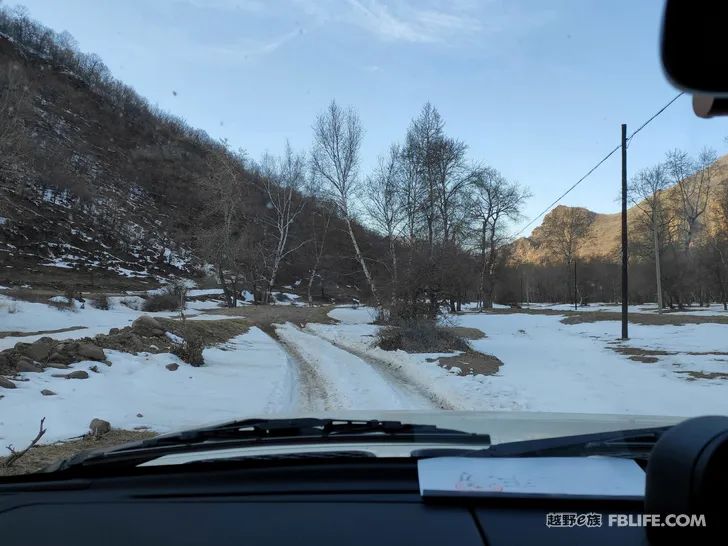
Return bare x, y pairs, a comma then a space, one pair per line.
625, 278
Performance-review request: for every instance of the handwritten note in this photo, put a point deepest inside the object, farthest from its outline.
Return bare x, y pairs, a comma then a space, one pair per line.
540, 476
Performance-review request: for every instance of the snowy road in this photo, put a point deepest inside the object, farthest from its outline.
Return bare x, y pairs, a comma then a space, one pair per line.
332, 378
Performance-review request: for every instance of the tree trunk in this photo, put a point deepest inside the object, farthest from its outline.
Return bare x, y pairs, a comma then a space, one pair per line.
658, 276
393, 253
225, 289
363, 264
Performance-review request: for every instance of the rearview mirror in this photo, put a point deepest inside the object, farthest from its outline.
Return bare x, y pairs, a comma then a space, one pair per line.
694, 46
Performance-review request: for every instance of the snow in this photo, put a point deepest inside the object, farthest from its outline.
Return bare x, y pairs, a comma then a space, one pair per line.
711, 310
349, 315
348, 381
204, 292
550, 366
35, 317
249, 375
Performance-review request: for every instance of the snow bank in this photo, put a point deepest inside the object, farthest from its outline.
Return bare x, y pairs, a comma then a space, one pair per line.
249, 376
349, 315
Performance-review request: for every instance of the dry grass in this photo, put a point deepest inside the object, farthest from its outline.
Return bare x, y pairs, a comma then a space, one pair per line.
692, 376
472, 363
41, 456
579, 317
210, 331
466, 332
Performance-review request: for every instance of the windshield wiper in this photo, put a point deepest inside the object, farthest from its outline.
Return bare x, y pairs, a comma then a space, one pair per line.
631, 444
255, 432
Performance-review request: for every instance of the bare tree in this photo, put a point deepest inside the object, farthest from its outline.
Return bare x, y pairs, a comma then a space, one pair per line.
282, 180
335, 161
693, 179
646, 192
564, 231
385, 208
222, 240
495, 201
320, 221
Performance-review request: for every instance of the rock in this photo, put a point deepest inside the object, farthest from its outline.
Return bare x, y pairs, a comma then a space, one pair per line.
57, 357
99, 427
94, 369
3, 360
5, 383
147, 326
47, 392
113, 331
140, 415
25, 365
39, 350
89, 351
172, 367
142, 427
78, 374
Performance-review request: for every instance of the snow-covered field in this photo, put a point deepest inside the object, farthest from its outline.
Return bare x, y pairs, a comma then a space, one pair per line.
714, 309
547, 366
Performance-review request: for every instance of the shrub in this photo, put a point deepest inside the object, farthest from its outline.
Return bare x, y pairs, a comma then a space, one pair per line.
62, 303
420, 336
101, 301
190, 350
166, 301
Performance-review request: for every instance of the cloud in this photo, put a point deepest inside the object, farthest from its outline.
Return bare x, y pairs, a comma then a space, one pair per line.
408, 22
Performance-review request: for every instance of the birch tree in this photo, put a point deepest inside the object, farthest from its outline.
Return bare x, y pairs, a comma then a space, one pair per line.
335, 161
282, 179
385, 209
646, 192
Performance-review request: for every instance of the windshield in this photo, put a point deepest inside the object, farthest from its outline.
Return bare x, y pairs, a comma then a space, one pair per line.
234, 209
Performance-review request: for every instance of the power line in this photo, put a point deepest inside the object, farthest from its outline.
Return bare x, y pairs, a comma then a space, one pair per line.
595, 167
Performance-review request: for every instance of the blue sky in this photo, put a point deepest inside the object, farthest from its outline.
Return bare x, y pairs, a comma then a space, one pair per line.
536, 89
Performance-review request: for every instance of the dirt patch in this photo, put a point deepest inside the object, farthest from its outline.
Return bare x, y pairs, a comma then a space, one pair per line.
638, 354
265, 316
472, 363
466, 332
579, 317
43, 455
210, 331
41, 332
692, 376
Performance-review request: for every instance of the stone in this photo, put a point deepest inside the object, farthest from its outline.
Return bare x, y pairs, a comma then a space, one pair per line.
113, 331
78, 374
99, 427
89, 351
58, 365
172, 367
140, 415
147, 326
5, 383
25, 365
47, 392
39, 350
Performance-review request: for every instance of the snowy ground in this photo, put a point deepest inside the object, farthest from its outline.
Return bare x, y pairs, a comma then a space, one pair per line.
714, 309
547, 366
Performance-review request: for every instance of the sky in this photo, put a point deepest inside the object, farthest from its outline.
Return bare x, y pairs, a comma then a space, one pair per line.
536, 89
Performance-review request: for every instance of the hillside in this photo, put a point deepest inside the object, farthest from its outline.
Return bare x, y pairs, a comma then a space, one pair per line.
99, 189
604, 234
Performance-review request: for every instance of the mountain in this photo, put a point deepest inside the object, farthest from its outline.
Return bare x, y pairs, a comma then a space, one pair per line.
98, 188
605, 231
